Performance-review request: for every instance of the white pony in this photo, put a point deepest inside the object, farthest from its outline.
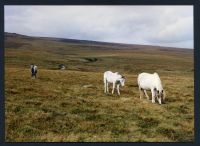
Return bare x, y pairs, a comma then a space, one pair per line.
114, 78
151, 82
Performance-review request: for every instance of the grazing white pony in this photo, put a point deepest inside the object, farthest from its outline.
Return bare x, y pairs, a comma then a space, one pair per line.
151, 82
115, 79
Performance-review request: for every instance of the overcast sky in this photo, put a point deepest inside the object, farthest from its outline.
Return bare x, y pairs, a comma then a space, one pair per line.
150, 25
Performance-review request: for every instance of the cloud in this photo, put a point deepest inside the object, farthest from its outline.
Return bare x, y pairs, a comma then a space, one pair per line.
178, 31
151, 25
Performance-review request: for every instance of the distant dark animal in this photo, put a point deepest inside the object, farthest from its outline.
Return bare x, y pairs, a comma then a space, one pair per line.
33, 70
61, 66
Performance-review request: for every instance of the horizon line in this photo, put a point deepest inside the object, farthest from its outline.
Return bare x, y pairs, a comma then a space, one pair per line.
96, 41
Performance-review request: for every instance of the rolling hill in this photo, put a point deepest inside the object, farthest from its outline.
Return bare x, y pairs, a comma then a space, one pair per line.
69, 105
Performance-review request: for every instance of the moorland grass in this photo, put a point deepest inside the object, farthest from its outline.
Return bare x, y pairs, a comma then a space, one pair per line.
70, 105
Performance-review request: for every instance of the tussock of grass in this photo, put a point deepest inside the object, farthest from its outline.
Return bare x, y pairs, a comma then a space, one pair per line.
147, 122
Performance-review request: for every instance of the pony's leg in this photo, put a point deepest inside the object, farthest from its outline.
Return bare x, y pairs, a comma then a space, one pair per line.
141, 94
164, 96
113, 88
118, 89
153, 95
107, 87
145, 92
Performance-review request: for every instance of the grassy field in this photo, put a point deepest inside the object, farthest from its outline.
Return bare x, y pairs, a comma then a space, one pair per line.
70, 105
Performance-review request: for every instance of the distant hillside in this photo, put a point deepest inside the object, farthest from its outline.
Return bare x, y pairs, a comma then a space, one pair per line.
21, 50
93, 43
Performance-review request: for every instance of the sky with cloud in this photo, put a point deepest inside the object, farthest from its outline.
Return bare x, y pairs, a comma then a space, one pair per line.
150, 25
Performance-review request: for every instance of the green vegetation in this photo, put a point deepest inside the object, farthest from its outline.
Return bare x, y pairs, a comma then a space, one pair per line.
69, 105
